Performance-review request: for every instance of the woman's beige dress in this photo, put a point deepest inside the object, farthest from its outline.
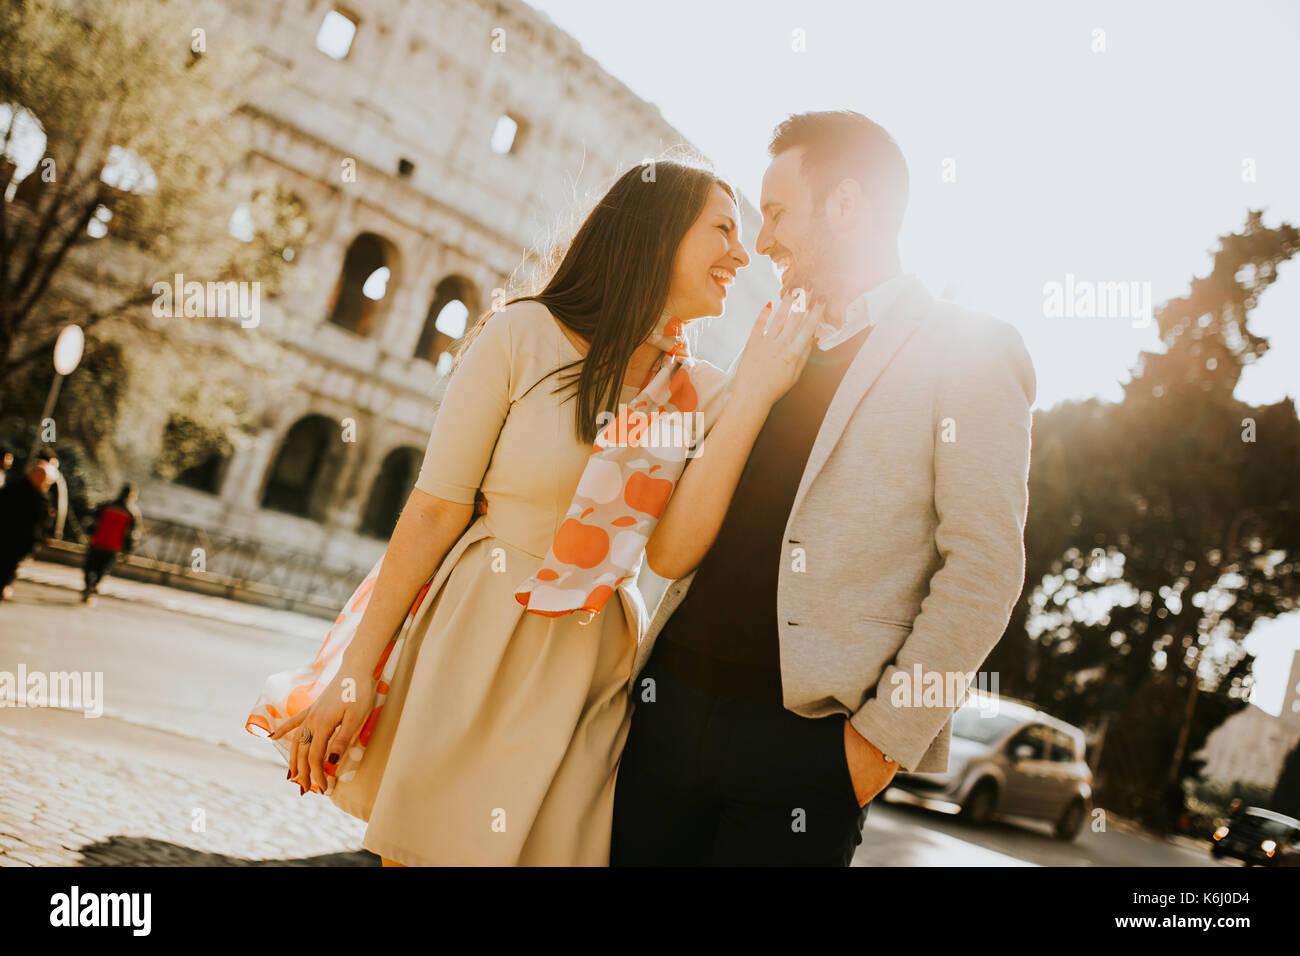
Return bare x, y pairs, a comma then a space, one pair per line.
501, 735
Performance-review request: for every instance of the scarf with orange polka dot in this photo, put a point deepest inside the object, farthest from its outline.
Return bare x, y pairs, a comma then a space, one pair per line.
634, 466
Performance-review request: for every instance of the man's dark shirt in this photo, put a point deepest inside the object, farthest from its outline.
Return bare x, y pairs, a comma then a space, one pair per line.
723, 637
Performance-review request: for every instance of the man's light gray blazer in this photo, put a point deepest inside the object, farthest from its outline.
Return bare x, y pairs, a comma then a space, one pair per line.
903, 551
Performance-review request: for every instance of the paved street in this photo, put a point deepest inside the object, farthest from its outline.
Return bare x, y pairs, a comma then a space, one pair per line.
907, 835
104, 792
168, 776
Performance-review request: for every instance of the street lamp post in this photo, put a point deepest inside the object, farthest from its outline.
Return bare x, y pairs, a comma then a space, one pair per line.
67, 355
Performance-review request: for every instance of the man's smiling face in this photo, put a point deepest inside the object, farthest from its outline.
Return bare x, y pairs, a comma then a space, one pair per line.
793, 234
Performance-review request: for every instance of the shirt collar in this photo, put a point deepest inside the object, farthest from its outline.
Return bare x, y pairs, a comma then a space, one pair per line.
867, 309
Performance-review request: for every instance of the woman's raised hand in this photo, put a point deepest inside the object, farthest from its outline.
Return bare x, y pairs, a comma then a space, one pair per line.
779, 344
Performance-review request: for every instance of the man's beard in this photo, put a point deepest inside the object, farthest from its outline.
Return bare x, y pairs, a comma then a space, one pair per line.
809, 264
799, 277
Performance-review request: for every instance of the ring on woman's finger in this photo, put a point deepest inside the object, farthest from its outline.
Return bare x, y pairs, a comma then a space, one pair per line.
306, 736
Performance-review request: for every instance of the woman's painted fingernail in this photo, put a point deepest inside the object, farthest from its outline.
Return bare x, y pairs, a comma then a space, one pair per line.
288, 775
768, 306
334, 758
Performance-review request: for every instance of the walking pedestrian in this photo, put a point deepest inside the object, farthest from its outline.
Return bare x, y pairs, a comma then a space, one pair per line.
26, 516
116, 529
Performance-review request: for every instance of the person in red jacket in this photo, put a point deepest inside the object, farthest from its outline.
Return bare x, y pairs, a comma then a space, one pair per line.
116, 529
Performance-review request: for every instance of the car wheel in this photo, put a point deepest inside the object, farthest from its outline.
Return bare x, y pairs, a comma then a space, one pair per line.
978, 808
1071, 820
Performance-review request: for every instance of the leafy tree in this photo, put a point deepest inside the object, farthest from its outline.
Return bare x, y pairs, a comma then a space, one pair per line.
124, 160
121, 142
1161, 528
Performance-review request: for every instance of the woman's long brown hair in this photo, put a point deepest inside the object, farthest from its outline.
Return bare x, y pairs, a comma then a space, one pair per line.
611, 284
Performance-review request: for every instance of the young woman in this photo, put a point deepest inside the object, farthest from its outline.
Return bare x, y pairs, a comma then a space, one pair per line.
499, 740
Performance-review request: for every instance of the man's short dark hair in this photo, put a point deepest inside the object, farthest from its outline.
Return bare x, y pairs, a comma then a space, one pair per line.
842, 144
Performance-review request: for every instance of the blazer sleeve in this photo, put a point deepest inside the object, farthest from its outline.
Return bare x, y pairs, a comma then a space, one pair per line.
473, 410
980, 500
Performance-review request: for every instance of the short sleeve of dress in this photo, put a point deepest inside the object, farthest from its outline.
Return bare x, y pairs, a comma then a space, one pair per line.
473, 409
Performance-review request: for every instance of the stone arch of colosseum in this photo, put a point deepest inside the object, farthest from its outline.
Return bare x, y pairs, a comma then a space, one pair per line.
365, 287
450, 290
389, 490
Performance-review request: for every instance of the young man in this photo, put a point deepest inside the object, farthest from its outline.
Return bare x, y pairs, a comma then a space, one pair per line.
872, 544
116, 529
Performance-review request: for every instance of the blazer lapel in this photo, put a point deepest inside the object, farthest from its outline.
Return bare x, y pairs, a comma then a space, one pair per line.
882, 343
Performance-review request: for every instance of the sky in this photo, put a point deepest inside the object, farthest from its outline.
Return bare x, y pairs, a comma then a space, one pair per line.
1046, 142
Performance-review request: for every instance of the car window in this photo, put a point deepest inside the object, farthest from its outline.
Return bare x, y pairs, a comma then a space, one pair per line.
1267, 826
972, 723
1062, 746
1033, 737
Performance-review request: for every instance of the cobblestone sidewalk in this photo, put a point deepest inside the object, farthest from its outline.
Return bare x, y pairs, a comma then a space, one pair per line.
112, 794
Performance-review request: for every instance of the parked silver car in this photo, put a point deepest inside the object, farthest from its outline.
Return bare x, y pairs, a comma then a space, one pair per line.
1006, 758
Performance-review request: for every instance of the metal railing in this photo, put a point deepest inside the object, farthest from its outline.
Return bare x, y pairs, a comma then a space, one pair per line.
235, 567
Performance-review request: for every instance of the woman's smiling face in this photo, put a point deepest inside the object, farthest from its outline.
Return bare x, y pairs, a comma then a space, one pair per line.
707, 259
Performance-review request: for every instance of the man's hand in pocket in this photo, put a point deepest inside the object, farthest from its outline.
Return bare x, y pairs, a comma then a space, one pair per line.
868, 768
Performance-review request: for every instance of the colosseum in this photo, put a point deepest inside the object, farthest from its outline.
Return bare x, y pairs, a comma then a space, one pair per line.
472, 126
